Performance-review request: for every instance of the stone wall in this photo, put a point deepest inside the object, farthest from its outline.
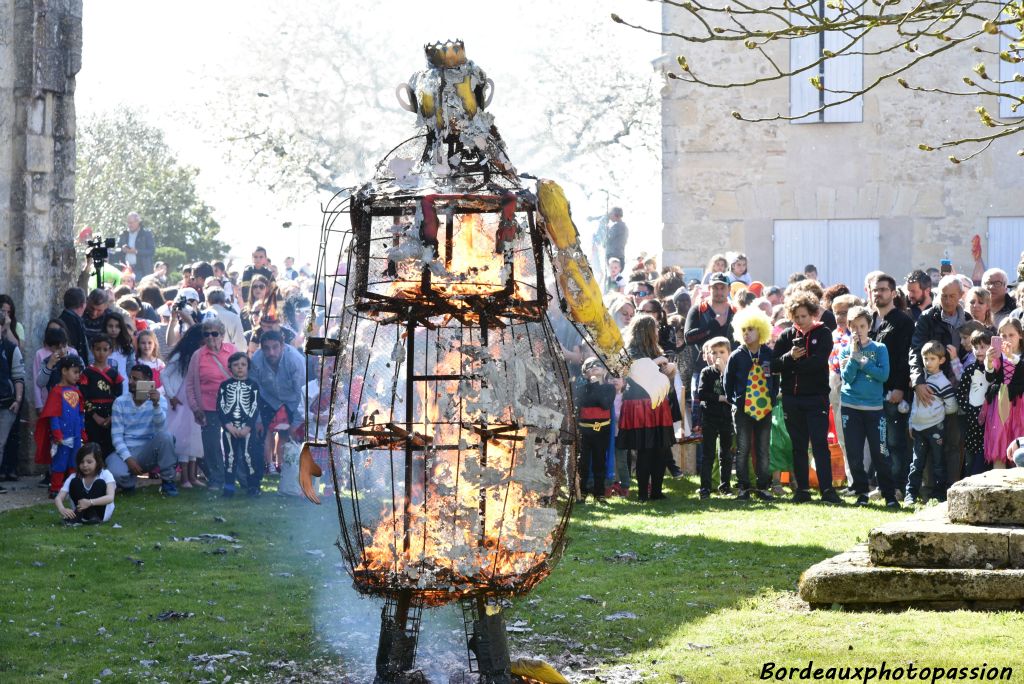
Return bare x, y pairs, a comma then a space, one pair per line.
40, 53
725, 181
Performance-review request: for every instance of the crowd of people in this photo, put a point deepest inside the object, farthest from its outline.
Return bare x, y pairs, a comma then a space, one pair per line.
199, 383
898, 388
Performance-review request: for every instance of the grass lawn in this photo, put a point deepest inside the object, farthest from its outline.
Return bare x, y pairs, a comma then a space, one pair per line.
713, 591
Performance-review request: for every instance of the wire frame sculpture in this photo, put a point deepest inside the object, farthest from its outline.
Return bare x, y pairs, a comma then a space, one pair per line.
443, 409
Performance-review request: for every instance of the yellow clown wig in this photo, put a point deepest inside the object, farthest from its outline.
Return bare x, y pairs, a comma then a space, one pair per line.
752, 317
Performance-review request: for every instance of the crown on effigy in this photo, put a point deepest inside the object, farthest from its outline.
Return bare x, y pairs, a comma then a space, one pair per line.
451, 53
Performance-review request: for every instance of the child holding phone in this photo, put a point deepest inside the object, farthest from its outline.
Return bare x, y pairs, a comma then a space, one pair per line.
1004, 415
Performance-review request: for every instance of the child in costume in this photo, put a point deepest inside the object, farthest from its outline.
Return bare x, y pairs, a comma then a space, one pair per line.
970, 397
751, 388
238, 406
91, 489
61, 425
594, 399
100, 385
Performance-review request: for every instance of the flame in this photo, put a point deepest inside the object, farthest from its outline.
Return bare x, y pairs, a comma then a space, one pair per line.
477, 509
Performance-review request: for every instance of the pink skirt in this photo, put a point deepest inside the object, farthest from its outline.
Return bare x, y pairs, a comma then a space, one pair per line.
998, 433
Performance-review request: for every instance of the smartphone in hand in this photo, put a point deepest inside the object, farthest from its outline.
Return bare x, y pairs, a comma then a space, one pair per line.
997, 344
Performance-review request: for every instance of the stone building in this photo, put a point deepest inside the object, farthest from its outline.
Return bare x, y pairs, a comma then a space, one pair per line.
849, 193
40, 53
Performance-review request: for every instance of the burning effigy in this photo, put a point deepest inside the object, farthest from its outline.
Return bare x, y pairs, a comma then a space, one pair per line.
445, 409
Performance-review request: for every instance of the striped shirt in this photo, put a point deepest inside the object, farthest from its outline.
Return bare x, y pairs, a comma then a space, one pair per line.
944, 403
134, 426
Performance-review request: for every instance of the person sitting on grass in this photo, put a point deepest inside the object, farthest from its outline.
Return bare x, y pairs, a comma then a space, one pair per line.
60, 428
141, 440
751, 389
91, 489
238, 405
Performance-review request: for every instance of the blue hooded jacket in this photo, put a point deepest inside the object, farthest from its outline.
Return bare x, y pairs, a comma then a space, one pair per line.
864, 385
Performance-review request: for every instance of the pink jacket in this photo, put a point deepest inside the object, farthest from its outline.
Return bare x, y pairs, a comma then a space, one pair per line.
203, 374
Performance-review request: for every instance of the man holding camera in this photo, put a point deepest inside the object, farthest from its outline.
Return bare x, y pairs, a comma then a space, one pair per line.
141, 440
137, 246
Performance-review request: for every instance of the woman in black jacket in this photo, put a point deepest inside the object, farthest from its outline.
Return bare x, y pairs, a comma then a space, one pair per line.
801, 356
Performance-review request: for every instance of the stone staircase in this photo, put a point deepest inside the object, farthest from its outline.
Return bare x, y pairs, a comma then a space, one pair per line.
966, 554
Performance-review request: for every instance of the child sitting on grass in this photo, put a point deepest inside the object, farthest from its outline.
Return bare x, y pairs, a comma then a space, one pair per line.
91, 489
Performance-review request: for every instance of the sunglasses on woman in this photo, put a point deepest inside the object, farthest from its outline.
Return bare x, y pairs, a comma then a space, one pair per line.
211, 333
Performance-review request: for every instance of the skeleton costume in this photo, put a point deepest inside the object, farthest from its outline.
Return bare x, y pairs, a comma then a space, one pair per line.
237, 404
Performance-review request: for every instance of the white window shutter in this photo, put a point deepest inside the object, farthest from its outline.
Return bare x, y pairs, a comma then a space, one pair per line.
843, 74
798, 243
803, 97
852, 253
1005, 244
1006, 73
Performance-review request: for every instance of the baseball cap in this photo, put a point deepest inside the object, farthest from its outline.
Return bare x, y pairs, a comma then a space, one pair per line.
189, 293
590, 363
718, 278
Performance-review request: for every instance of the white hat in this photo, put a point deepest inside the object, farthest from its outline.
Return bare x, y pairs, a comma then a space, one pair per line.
189, 293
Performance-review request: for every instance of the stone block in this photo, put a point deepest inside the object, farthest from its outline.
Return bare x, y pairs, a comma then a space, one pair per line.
38, 154
919, 543
850, 579
992, 498
724, 206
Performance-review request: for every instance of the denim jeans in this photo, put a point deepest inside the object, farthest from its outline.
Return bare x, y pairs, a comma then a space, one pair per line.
622, 474
928, 448
696, 418
156, 453
860, 426
8, 423
212, 453
756, 434
897, 443
807, 422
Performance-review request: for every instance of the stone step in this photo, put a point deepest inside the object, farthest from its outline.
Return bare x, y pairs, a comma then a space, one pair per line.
851, 580
934, 542
992, 498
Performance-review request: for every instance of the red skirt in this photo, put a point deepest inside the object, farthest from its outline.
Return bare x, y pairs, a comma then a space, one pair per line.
641, 427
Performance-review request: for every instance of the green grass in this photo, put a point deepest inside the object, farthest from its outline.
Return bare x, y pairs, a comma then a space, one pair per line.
713, 591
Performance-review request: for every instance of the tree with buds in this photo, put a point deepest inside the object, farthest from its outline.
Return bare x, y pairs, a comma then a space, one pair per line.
903, 36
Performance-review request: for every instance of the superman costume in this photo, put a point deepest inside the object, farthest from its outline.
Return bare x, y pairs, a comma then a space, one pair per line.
61, 422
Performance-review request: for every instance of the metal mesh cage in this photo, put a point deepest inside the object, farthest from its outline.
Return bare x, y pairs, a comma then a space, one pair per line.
445, 410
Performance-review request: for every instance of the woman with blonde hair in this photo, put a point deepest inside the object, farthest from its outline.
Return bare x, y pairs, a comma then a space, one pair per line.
716, 264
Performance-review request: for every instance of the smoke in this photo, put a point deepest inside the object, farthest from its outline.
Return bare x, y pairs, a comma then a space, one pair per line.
348, 623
